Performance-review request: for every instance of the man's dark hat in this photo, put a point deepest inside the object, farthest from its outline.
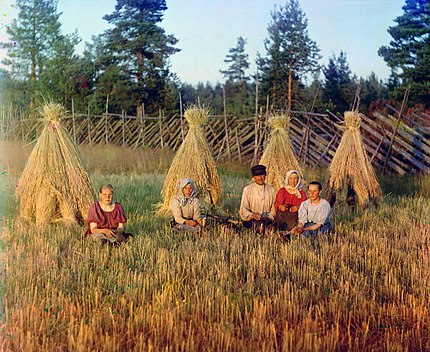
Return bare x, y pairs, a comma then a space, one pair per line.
258, 170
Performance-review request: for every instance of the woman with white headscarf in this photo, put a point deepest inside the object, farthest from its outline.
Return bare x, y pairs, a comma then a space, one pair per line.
288, 200
185, 207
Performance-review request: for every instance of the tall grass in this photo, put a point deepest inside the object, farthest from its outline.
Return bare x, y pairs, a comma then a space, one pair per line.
97, 159
365, 288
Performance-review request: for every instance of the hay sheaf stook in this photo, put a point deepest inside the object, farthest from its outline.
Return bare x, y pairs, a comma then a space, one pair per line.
350, 168
54, 185
279, 156
193, 160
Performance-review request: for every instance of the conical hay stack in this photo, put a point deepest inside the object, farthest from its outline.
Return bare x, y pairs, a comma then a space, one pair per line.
193, 160
54, 185
278, 156
350, 167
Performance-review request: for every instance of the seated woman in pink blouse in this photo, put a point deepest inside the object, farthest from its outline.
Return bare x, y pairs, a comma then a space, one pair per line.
288, 200
106, 219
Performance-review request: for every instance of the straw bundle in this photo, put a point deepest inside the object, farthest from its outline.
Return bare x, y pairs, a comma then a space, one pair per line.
193, 160
54, 185
350, 173
278, 156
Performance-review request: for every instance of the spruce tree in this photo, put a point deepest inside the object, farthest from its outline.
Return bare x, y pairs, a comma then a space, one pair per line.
61, 71
339, 84
408, 54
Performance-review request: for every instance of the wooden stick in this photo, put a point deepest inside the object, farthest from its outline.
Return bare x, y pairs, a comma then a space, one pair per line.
161, 130
181, 111
89, 124
238, 146
123, 127
73, 120
106, 120
225, 122
405, 98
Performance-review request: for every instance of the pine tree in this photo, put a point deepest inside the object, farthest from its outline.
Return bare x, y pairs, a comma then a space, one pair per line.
238, 60
140, 49
408, 54
237, 90
291, 54
33, 36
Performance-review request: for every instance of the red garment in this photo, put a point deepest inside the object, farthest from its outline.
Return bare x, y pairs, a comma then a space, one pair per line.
105, 219
286, 198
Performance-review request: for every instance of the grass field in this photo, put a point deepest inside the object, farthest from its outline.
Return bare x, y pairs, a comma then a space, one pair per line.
365, 288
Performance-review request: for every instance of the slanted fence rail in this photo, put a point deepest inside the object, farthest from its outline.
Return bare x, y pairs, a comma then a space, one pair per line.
315, 137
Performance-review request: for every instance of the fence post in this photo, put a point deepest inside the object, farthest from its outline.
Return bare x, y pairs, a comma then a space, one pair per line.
225, 123
238, 146
161, 129
182, 116
123, 127
73, 120
106, 120
142, 120
256, 120
89, 124
399, 119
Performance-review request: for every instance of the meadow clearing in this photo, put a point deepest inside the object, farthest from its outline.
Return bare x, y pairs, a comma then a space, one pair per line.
365, 288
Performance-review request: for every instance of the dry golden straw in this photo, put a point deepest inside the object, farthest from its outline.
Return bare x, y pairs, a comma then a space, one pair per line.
193, 160
278, 156
54, 185
350, 169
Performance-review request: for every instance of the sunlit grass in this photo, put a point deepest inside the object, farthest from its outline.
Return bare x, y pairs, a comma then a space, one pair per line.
365, 288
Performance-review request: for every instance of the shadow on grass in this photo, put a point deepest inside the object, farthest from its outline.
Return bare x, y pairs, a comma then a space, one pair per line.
397, 185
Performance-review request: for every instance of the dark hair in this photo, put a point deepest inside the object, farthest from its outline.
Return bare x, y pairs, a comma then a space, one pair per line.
106, 186
315, 183
258, 170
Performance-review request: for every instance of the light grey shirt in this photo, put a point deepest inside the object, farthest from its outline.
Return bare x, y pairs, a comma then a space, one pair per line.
316, 213
257, 199
187, 211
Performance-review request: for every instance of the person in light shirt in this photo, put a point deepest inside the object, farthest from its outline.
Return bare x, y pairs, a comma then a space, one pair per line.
314, 213
257, 207
185, 208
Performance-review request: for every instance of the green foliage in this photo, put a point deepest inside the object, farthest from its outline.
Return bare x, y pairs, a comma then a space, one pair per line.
239, 93
408, 52
339, 84
137, 52
218, 291
204, 94
33, 35
238, 60
59, 78
372, 90
290, 55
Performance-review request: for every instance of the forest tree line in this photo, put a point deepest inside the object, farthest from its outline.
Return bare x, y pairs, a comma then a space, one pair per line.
128, 65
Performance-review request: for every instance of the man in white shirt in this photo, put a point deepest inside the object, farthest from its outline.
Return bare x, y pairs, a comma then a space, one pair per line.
257, 207
314, 213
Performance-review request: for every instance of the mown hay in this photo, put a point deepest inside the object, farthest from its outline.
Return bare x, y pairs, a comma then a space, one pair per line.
54, 185
193, 160
279, 156
351, 176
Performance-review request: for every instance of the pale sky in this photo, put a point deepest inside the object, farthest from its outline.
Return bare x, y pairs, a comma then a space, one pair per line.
207, 29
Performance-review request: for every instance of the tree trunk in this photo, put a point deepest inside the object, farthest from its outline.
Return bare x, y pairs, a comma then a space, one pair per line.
290, 79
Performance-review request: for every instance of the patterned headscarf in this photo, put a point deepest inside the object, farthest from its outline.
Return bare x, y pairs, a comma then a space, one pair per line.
296, 189
182, 183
